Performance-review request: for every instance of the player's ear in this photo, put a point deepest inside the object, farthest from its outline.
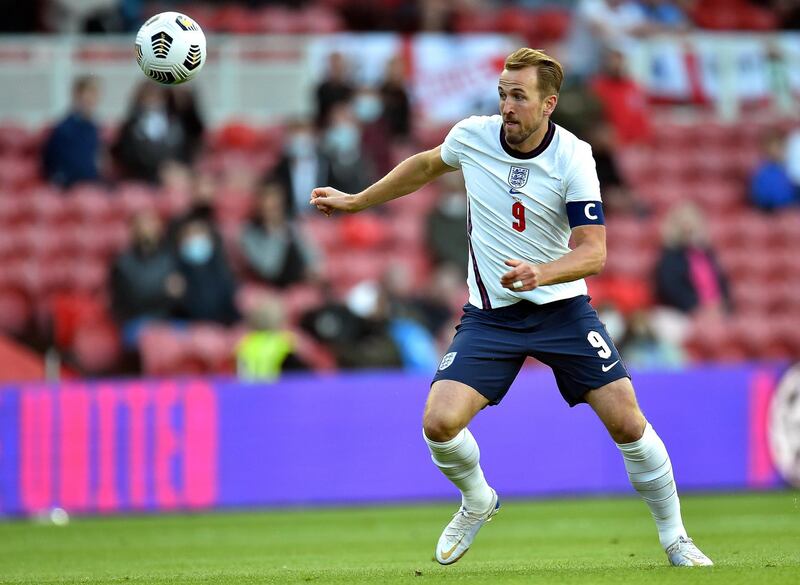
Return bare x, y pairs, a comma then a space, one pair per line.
550, 104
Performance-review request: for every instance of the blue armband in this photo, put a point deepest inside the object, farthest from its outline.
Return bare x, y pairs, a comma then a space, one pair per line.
585, 213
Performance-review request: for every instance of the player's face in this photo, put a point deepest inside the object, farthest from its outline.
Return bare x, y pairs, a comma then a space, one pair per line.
523, 109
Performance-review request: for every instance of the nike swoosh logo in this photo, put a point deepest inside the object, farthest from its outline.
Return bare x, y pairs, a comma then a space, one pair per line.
608, 367
446, 555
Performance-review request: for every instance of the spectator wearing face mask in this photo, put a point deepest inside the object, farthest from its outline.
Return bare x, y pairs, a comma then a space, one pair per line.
396, 103
369, 111
202, 194
207, 287
350, 170
273, 246
301, 167
142, 278
337, 88
150, 137
446, 231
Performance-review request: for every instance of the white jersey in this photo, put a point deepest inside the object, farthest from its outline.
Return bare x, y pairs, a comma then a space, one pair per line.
517, 204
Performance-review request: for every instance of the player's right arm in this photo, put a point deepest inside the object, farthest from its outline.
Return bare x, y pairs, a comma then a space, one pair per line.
405, 178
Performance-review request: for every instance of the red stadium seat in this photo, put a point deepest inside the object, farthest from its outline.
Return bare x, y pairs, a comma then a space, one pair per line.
163, 350
18, 139
364, 231
550, 24
96, 347
324, 231
91, 204
15, 312
71, 312
212, 345
18, 171
310, 352
407, 231
320, 20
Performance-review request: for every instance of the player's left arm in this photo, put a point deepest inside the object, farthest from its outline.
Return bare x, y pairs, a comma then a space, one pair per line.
586, 258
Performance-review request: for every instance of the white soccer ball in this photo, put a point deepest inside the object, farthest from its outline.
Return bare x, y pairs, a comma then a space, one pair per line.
171, 48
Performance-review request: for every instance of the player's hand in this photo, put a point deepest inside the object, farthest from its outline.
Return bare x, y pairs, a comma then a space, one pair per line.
328, 200
528, 275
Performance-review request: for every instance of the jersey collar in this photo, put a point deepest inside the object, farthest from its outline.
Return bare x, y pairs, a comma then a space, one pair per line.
548, 138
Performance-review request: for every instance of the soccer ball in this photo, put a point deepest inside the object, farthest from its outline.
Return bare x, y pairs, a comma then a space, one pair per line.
170, 48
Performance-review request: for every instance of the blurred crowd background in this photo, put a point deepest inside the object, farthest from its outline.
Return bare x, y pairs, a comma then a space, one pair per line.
166, 241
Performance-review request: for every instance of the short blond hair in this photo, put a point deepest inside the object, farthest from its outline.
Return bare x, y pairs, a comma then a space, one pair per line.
551, 74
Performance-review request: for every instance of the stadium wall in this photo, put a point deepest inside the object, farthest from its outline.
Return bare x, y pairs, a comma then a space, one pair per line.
159, 445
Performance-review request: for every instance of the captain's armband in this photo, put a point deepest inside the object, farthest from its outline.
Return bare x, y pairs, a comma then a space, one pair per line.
585, 213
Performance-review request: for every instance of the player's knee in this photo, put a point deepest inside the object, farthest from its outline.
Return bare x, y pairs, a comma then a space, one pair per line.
628, 429
440, 426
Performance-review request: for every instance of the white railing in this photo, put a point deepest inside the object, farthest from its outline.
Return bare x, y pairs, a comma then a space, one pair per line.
255, 78
264, 78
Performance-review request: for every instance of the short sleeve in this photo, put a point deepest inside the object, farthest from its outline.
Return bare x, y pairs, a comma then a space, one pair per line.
581, 179
453, 144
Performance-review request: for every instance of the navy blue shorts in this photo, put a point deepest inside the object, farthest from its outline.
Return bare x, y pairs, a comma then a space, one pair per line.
490, 346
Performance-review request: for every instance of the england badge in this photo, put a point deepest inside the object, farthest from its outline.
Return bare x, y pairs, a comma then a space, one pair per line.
518, 177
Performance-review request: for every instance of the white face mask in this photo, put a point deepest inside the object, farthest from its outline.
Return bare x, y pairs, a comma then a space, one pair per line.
154, 124
197, 249
343, 138
367, 108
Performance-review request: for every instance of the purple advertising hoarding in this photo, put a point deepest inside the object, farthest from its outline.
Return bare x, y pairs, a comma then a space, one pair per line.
111, 446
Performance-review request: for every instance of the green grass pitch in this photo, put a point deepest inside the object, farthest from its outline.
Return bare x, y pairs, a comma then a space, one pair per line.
753, 538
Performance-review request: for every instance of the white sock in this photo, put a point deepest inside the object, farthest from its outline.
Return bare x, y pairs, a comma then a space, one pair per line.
650, 472
459, 460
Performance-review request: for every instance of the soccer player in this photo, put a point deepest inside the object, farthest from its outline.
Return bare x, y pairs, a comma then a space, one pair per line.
531, 185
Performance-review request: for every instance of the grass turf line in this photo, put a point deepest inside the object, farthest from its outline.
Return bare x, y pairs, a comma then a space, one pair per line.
753, 538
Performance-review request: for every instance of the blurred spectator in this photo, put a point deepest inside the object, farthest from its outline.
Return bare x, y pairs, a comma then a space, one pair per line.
375, 135
202, 194
618, 197
688, 276
351, 170
143, 280
336, 88
184, 109
83, 16
302, 167
644, 350
396, 103
792, 159
267, 349
579, 111
419, 317
273, 246
599, 25
624, 102
446, 226
355, 341
788, 12
206, 287
395, 329
771, 188
150, 136
667, 14
72, 153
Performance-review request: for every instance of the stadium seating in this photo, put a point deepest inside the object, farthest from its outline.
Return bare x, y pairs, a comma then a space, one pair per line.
62, 242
